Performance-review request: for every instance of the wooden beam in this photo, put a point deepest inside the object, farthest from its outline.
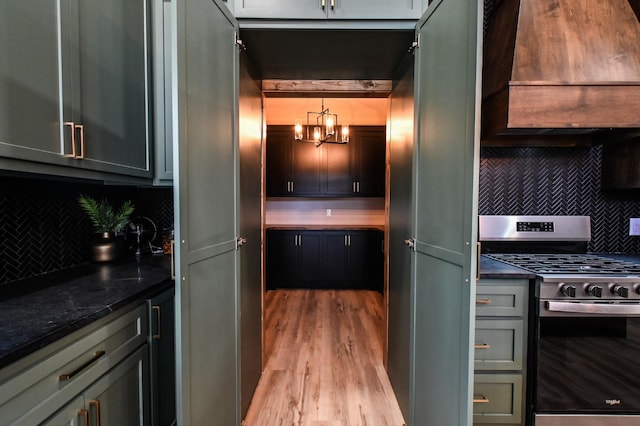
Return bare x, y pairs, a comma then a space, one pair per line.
327, 88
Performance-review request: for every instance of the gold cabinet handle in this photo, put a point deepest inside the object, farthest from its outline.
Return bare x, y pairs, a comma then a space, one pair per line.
84, 415
81, 127
482, 346
156, 309
478, 248
94, 358
95, 405
483, 301
72, 126
480, 399
333, 4
173, 260
323, 3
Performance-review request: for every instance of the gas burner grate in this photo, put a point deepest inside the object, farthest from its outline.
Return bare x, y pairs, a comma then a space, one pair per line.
569, 263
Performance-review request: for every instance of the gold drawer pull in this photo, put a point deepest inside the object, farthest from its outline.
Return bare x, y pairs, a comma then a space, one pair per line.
95, 404
482, 346
480, 399
84, 415
483, 301
94, 358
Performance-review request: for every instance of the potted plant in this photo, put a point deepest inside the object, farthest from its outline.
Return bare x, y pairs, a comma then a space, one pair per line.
107, 222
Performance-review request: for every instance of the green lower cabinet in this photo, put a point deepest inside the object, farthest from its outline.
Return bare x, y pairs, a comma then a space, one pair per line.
498, 399
499, 345
500, 352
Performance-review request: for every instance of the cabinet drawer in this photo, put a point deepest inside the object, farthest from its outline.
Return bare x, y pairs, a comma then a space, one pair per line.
500, 300
497, 399
499, 345
41, 383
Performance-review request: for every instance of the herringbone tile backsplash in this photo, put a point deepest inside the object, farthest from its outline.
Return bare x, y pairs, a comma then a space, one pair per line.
558, 181
42, 228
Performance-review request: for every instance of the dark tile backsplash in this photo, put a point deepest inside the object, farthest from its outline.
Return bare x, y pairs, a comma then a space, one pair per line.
44, 230
558, 181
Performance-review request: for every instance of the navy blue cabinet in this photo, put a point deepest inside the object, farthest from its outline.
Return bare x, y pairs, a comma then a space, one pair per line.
300, 169
338, 259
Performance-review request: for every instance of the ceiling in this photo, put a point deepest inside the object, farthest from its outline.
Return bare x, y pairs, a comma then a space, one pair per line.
326, 54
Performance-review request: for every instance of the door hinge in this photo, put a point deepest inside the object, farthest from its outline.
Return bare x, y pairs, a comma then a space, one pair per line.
415, 45
239, 42
411, 243
240, 241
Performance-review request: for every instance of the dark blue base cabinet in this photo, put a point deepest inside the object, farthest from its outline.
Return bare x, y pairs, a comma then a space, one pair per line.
325, 259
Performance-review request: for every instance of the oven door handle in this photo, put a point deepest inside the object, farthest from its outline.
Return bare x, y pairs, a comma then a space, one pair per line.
593, 308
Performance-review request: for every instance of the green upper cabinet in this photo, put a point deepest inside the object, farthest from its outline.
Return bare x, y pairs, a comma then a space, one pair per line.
328, 9
30, 81
74, 85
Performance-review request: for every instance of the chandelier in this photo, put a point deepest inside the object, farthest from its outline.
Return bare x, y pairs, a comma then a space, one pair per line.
321, 128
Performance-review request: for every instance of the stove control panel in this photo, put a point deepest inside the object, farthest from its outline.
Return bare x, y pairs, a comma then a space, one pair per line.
577, 289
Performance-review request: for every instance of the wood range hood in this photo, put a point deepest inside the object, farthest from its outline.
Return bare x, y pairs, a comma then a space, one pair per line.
561, 67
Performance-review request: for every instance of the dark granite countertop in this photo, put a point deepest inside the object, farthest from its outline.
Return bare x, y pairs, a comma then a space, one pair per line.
41, 310
490, 268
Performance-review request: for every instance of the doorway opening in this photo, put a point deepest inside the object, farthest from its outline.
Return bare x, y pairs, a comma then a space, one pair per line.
351, 71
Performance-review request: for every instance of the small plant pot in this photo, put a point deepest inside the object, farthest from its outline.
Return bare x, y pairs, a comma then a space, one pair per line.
108, 248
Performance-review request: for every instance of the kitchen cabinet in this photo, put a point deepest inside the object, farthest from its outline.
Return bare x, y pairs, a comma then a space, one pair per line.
115, 399
98, 373
161, 311
328, 9
355, 169
79, 98
338, 259
293, 168
162, 130
354, 259
294, 259
500, 351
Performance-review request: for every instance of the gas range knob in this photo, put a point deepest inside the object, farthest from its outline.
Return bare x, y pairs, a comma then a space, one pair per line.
568, 290
594, 290
620, 290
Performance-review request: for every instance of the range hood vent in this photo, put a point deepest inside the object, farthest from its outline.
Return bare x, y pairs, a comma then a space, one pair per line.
556, 67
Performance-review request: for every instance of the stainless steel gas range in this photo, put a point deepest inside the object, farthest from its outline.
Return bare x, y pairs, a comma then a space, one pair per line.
585, 341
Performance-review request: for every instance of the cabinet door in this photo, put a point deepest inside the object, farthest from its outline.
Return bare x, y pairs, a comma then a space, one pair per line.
336, 256
340, 179
282, 258
306, 171
278, 160
29, 81
121, 397
285, 9
112, 40
374, 9
162, 359
311, 261
333, 9
364, 260
370, 157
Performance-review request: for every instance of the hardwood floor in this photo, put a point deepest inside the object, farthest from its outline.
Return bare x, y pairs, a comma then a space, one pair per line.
324, 361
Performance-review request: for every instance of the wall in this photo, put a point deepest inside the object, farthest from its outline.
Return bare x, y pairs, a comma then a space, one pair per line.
43, 228
307, 211
558, 181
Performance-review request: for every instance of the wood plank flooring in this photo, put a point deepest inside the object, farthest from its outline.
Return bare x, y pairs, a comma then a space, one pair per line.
324, 361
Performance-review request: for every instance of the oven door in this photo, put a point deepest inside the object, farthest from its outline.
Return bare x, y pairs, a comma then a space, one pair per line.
587, 362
